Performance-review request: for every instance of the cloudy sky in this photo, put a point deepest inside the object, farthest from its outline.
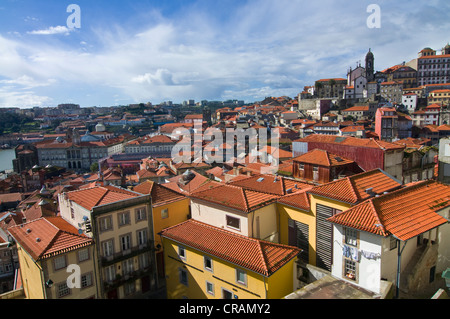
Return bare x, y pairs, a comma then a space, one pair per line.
126, 52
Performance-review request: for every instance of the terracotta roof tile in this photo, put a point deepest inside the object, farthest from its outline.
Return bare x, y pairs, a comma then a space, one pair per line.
236, 197
255, 255
352, 189
351, 141
48, 237
100, 195
404, 213
299, 200
323, 158
272, 184
160, 194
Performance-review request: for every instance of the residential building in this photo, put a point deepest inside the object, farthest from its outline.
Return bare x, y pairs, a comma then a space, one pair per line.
358, 112
120, 223
330, 88
391, 91
386, 123
320, 167
398, 237
403, 74
169, 208
441, 97
208, 262
368, 153
158, 146
410, 101
432, 68
47, 249
243, 211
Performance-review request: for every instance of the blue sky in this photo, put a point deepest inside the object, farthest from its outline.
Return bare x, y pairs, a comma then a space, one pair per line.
153, 51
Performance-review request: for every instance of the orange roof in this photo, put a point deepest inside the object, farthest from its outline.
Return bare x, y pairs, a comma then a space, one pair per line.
297, 200
405, 213
47, 237
245, 200
435, 56
322, 158
357, 108
354, 189
100, 195
255, 255
336, 79
160, 194
276, 185
350, 141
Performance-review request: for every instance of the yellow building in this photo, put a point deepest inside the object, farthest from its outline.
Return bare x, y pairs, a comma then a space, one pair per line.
55, 260
302, 215
207, 262
169, 208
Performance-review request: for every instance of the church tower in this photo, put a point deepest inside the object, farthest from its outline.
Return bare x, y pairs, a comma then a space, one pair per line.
370, 73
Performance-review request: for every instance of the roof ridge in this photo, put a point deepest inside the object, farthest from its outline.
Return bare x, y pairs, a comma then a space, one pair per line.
263, 256
352, 188
377, 217
245, 199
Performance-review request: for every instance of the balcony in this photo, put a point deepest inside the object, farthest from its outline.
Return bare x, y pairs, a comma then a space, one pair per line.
125, 254
130, 277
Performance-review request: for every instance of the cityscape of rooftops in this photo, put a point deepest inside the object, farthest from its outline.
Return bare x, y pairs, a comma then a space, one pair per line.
248, 150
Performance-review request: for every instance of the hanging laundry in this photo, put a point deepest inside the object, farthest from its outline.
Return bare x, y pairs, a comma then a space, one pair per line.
354, 253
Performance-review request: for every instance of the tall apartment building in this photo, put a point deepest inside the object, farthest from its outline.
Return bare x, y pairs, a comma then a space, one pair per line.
433, 68
120, 223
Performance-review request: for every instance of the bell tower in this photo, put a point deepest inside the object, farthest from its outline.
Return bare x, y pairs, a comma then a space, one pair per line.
370, 66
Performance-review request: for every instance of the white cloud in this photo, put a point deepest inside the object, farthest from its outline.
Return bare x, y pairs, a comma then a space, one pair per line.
261, 48
52, 30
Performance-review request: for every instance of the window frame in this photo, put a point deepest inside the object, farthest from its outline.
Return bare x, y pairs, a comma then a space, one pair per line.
207, 259
228, 218
240, 271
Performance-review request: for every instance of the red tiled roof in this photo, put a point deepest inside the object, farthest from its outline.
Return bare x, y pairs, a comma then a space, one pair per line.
299, 200
245, 200
350, 141
48, 237
404, 213
352, 189
322, 158
100, 195
272, 184
160, 194
255, 255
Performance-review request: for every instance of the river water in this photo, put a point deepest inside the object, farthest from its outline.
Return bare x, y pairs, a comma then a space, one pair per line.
6, 157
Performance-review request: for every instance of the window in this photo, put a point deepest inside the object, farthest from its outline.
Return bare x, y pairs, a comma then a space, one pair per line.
208, 263
63, 290
124, 218
125, 242
129, 288
183, 275
105, 223
241, 277
233, 222
141, 214
182, 252
110, 273
60, 262
351, 237
108, 248
392, 243
142, 237
127, 266
301, 166
210, 288
144, 261
350, 269
165, 213
86, 280
83, 255
226, 294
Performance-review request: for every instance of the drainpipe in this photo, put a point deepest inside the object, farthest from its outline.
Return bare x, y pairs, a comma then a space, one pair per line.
399, 257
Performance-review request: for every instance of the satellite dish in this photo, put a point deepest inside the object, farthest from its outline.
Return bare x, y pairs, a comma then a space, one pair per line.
80, 231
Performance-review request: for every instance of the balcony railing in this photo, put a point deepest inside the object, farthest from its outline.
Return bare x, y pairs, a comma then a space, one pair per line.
125, 254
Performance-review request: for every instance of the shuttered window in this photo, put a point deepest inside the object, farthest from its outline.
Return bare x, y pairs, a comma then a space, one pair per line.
324, 236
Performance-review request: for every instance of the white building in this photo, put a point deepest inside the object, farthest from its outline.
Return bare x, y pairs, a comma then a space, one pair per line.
407, 228
410, 100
